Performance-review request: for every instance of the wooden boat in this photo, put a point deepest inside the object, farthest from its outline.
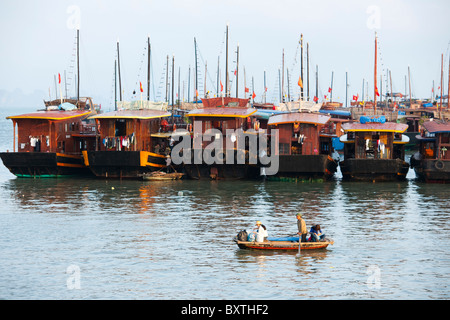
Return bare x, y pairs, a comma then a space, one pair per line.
125, 147
49, 143
374, 150
305, 146
221, 114
432, 162
283, 245
162, 176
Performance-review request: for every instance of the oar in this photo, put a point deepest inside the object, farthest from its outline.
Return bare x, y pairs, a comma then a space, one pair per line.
299, 244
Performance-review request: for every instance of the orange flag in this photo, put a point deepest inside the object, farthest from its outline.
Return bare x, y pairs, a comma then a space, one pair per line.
253, 95
140, 83
300, 82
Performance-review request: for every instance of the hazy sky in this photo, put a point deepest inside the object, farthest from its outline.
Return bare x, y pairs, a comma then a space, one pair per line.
38, 42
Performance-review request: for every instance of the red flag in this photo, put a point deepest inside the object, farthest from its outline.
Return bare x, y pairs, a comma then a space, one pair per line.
221, 86
355, 97
59, 78
265, 89
325, 97
235, 71
329, 89
315, 99
376, 91
253, 95
140, 84
247, 90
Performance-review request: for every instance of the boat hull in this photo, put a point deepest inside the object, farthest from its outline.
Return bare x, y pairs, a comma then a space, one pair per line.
222, 171
305, 167
282, 245
374, 169
123, 164
44, 164
432, 170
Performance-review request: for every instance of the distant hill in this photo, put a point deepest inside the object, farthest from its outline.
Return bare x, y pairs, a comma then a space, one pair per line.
19, 99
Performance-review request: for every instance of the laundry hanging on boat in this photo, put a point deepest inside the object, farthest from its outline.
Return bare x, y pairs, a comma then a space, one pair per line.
119, 142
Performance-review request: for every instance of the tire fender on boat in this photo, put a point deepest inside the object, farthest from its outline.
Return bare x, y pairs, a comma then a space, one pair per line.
439, 165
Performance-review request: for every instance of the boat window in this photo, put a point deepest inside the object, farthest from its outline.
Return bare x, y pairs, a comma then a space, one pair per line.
121, 128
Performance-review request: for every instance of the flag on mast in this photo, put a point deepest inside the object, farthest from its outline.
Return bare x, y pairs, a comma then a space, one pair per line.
300, 82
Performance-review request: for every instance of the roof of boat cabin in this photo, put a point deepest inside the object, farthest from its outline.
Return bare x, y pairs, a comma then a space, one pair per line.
52, 115
375, 126
299, 117
222, 112
132, 114
224, 101
437, 126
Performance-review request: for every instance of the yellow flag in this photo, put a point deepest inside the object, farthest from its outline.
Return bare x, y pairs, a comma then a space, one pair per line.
300, 83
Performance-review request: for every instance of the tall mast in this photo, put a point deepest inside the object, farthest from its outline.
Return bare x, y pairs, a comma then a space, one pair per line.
218, 75
448, 92
307, 69
331, 93
78, 66
301, 65
375, 78
173, 82
410, 98
167, 79
196, 71
317, 82
442, 80
148, 67
282, 78
206, 72
118, 68
226, 65
115, 85
288, 89
237, 71
265, 92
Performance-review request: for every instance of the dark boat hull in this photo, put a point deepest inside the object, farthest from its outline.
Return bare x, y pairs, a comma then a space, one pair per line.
222, 171
305, 167
43, 164
374, 169
123, 164
432, 170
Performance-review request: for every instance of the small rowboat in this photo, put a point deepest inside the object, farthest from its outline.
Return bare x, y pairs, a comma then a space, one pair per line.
283, 245
159, 176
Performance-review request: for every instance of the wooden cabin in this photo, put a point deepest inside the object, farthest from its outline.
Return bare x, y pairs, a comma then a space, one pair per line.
432, 162
125, 147
374, 150
49, 143
222, 114
305, 145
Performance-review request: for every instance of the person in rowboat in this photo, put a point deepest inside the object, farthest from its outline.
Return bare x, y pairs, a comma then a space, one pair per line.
301, 225
260, 232
316, 233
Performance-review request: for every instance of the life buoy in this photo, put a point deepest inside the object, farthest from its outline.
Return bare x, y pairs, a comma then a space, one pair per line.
439, 165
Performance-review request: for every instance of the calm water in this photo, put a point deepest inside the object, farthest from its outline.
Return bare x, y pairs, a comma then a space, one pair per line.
97, 239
